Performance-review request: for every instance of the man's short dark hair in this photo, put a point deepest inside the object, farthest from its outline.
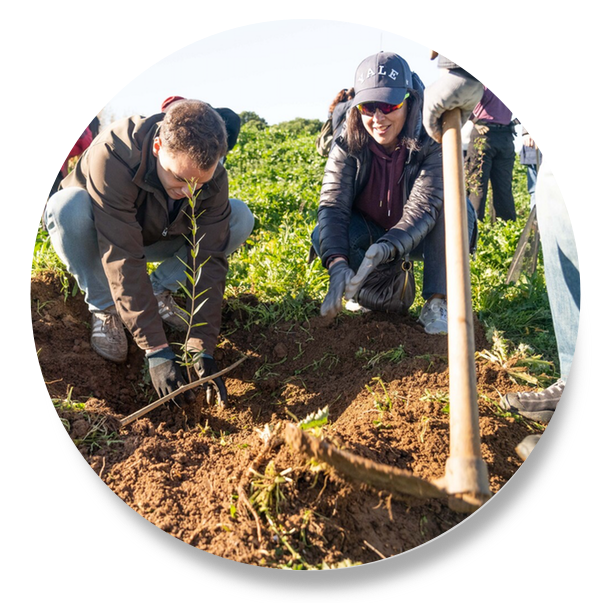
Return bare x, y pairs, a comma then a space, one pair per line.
194, 128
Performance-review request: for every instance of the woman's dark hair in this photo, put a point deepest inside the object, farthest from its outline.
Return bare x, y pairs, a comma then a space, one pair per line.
357, 137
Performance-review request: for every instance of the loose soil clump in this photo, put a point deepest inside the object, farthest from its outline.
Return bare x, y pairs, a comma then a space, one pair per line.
223, 479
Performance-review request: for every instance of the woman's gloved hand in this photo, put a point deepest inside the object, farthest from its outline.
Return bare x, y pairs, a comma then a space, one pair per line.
378, 253
340, 275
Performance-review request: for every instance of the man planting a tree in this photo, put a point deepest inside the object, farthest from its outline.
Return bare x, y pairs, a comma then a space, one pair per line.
123, 206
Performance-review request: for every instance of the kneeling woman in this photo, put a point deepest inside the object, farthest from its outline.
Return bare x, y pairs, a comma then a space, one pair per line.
382, 192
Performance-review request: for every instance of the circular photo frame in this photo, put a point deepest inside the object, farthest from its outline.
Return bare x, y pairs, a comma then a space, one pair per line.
395, 575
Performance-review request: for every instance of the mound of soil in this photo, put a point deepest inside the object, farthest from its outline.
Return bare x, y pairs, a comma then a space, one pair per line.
224, 480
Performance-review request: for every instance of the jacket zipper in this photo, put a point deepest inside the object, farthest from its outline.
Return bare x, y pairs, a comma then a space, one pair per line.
164, 233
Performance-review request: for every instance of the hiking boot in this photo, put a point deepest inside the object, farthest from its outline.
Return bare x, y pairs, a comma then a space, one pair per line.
108, 337
537, 406
434, 316
171, 313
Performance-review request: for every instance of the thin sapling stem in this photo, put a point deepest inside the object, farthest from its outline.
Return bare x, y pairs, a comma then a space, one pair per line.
193, 274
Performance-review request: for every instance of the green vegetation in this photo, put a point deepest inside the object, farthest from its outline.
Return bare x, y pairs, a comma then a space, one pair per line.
276, 170
87, 430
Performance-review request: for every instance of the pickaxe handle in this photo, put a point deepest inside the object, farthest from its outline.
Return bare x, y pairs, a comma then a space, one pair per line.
466, 473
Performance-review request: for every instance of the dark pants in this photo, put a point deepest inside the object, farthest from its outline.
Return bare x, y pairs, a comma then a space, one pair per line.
490, 158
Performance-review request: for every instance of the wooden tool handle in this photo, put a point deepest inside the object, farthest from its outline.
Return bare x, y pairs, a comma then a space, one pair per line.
184, 388
465, 470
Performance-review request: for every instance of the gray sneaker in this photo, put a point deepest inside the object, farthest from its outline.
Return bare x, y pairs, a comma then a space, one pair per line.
537, 406
108, 337
434, 316
171, 313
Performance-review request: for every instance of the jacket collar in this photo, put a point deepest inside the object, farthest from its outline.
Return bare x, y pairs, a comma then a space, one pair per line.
146, 176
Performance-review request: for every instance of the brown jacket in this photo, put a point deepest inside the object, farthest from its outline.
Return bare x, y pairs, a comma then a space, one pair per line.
130, 210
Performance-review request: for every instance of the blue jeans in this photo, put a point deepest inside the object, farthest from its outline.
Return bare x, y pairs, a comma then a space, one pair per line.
531, 182
561, 266
363, 232
69, 219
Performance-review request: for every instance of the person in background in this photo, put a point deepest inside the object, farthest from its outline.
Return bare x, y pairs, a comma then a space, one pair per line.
457, 88
121, 207
382, 195
84, 140
337, 113
490, 157
338, 110
530, 156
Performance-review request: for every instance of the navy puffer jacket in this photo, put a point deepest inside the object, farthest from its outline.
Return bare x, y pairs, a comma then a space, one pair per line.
346, 175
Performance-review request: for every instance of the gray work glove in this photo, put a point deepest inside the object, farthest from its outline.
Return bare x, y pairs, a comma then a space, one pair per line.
378, 253
447, 92
166, 375
340, 275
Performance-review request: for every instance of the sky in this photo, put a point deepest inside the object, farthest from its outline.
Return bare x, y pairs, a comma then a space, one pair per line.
280, 70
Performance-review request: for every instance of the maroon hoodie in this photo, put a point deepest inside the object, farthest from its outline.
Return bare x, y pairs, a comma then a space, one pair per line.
381, 198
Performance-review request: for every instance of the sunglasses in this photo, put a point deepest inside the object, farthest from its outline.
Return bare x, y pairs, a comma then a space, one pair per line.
385, 108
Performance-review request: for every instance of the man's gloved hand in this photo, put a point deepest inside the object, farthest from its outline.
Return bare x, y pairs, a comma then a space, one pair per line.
378, 253
206, 366
166, 374
340, 274
447, 92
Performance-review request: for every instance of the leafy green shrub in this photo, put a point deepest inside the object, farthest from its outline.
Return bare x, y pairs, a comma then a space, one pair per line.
278, 173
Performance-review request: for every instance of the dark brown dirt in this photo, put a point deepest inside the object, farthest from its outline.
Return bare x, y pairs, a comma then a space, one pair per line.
189, 470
